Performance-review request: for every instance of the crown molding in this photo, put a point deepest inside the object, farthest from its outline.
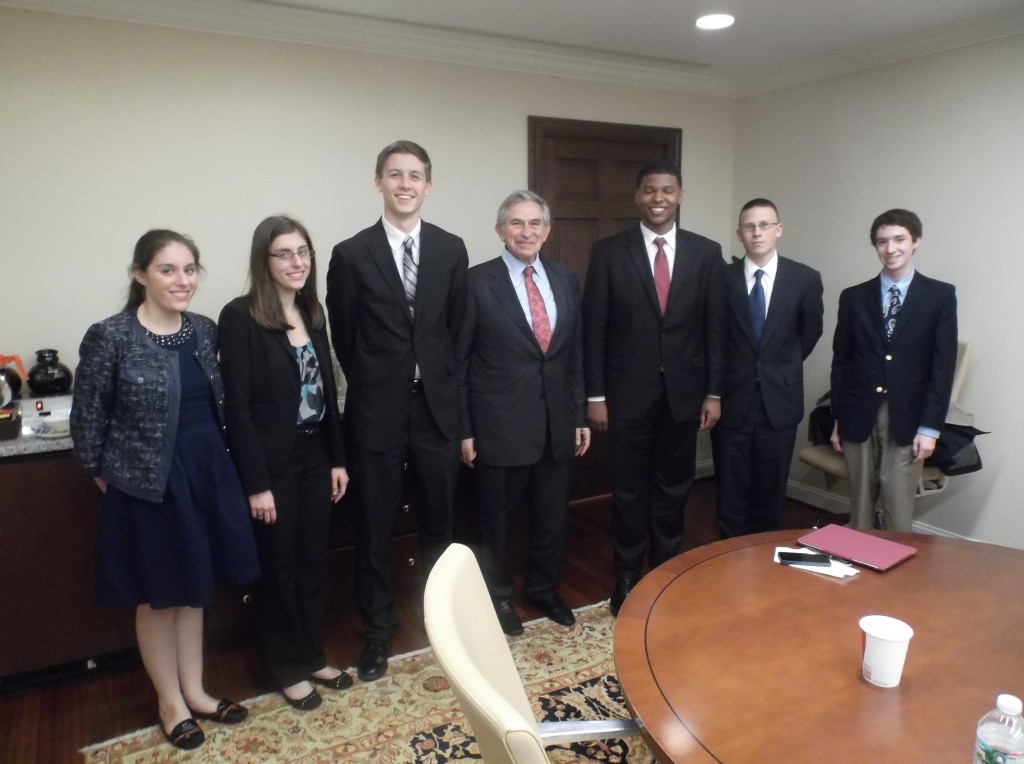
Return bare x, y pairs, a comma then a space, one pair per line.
270, 20
983, 30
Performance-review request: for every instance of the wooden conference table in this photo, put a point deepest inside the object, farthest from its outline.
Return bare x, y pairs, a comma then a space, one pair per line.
726, 656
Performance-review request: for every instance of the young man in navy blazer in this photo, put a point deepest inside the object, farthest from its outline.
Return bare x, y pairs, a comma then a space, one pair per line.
893, 359
774, 320
521, 374
396, 292
654, 346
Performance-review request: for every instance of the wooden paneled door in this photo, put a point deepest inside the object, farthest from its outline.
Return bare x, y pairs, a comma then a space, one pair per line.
586, 171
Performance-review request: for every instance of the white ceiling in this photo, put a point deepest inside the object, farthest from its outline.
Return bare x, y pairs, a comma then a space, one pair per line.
654, 43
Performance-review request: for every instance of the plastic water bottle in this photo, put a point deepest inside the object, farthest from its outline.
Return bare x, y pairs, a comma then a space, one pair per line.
1001, 734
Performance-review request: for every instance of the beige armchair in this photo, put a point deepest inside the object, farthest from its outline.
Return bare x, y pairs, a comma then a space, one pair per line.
471, 650
932, 480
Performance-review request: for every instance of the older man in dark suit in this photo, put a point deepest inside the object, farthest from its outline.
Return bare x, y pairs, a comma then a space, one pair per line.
521, 374
396, 293
774, 320
654, 349
893, 359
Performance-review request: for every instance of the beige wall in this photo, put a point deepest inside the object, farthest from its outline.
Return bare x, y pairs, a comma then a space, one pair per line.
109, 129
940, 135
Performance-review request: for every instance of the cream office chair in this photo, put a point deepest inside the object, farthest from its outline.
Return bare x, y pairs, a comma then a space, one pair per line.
471, 650
932, 479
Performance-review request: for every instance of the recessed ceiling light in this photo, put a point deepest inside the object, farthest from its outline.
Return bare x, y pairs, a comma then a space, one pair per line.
715, 21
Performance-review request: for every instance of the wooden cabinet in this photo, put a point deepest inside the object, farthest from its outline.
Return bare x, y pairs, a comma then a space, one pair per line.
48, 615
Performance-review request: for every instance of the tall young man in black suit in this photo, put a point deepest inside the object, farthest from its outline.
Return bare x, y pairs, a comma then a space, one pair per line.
654, 343
774, 320
521, 374
396, 293
893, 359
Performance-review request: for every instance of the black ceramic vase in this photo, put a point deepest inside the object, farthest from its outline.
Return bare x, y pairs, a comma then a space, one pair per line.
49, 376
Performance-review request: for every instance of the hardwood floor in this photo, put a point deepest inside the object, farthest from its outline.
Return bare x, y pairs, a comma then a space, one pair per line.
52, 721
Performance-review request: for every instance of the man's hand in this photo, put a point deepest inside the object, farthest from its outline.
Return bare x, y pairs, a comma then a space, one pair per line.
924, 446
582, 440
468, 452
597, 414
710, 412
837, 442
339, 483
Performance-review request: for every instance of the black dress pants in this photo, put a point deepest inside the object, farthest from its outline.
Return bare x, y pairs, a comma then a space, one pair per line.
293, 554
751, 471
378, 479
653, 460
501, 490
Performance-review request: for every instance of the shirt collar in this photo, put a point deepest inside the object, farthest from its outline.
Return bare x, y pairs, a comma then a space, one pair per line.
650, 236
396, 237
516, 266
770, 268
903, 284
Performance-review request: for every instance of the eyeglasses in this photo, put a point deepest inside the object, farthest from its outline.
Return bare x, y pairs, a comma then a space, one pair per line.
284, 255
764, 225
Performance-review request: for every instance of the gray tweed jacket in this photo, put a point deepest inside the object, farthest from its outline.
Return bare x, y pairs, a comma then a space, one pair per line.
124, 415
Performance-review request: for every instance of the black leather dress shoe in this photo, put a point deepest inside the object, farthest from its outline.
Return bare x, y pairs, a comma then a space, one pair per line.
507, 617
554, 608
373, 659
622, 589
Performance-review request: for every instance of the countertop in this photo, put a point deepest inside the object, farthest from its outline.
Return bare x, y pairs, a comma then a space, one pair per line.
32, 444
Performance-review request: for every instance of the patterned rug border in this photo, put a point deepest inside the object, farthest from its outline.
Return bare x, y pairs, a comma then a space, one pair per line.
129, 736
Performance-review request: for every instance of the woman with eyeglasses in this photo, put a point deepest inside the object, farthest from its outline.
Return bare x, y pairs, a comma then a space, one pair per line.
147, 423
285, 434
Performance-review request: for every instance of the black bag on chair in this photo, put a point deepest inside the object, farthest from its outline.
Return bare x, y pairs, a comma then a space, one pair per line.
821, 421
955, 452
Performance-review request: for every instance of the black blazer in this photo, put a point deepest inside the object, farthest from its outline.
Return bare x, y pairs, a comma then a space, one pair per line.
913, 371
379, 343
792, 327
515, 397
262, 394
628, 345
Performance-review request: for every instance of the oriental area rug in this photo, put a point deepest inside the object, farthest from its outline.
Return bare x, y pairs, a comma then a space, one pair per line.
410, 714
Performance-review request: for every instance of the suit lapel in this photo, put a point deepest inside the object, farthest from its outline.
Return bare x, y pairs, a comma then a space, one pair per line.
642, 264
913, 297
782, 296
384, 258
563, 303
736, 291
505, 295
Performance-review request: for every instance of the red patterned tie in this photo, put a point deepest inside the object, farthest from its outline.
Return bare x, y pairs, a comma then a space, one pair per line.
661, 277
539, 314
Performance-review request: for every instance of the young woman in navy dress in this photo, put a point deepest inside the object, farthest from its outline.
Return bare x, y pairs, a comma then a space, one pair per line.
147, 424
284, 429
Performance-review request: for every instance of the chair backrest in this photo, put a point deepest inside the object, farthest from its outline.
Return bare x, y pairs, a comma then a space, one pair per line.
963, 355
471, 649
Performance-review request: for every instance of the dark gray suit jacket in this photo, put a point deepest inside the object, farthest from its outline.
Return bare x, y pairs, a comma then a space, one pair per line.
913, 371
792, 328
514, 396
379, 343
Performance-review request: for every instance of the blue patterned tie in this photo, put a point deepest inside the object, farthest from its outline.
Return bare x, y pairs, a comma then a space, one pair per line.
757, 309
892, 310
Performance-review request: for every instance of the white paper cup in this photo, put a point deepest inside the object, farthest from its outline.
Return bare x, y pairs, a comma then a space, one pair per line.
884, 643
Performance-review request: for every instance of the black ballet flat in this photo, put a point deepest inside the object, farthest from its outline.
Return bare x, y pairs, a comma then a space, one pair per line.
341, 682
227, 712
186, 735
307, 703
